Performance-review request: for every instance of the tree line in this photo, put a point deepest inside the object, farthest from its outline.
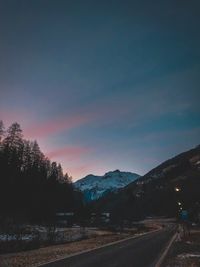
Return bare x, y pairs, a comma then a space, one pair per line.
31, 186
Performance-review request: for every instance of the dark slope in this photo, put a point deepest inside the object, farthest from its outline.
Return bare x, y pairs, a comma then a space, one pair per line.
154, 193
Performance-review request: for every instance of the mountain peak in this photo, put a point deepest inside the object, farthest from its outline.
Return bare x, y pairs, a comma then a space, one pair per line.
94, 187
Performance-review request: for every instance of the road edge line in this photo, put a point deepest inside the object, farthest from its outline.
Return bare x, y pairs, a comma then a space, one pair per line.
165, 252
92, 249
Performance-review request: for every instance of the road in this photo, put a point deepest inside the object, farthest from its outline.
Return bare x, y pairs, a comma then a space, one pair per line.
136, 252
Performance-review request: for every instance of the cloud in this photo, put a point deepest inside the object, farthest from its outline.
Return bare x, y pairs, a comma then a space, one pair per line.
69, 152
53, 126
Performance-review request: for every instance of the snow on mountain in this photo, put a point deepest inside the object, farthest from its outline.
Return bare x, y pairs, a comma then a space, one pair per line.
94, 187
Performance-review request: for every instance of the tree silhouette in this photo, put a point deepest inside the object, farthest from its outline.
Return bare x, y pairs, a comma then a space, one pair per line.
31, 186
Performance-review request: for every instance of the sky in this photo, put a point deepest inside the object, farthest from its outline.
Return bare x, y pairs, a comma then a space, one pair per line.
102, 85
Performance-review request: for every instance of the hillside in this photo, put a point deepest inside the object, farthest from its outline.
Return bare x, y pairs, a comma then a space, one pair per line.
155, 192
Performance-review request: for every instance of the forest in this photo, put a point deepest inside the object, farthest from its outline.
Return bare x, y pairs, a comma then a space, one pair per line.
32, 188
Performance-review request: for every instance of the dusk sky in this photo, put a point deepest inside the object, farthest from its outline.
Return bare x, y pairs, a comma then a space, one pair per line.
102, 85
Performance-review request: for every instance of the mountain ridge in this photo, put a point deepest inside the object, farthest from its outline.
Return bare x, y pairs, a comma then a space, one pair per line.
94, 187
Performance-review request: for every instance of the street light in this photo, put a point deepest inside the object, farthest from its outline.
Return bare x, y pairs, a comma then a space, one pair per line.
179, 203
177, 189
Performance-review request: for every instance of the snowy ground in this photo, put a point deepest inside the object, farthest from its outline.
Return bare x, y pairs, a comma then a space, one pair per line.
4, 237
60, 234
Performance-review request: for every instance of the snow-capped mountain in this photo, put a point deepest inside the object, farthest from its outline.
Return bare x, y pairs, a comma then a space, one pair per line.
94, 187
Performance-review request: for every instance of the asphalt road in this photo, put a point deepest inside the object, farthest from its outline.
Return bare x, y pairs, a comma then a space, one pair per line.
139, 252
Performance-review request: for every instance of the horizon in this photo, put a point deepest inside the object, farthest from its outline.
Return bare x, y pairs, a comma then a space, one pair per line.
133, 171
102, 86
121, 170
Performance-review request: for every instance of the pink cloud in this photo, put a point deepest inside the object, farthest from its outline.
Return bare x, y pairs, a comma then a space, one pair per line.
55, 126
68, 152
33, 129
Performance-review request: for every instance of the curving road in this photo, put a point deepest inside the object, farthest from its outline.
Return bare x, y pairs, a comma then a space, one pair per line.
142, 251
